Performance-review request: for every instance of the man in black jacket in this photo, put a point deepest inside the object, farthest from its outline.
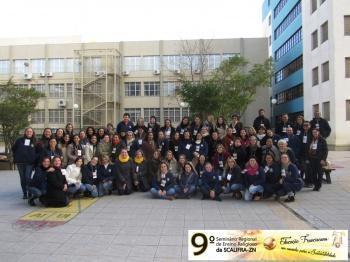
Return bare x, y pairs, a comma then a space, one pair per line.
321, 124
281, 128
261, 120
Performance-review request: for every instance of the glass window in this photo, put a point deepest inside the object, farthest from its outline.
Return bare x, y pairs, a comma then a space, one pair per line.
132, 63
325, 71
279, 7
151, 88
148, 112
151, 63
132, 88
172, 113
289, 44
38, 117
347, 25
70, 65
39, 88
171, 62
134, 113
347, 67
56, 90
292, 15
316, 108
326, 111
169, 88
313, 5
56, 116
289, 69
324, 32
290, 94
56, 65
314, 40
315, 76
214, 61
38, 65
76, 116
20, 66
4, 67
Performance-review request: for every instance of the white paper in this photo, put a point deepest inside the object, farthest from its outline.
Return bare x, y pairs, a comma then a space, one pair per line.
188, 146
79, 152
27, 142
304, 139
94, 174
228, 177
314, 146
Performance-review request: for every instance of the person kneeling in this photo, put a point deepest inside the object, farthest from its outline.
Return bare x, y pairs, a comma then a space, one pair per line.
38, 182
254, 177
186, 182
211, 183
105, 176
141, 181
73, 176
233, 179
89, 178
291, 181
163, 183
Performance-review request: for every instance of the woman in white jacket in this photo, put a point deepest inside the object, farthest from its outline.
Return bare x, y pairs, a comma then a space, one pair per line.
73, 177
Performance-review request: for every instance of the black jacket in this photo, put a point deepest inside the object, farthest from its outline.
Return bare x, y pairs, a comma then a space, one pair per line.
322, 125
89, 174
55, 183
233, 176
261, 121
321, 152
25, 151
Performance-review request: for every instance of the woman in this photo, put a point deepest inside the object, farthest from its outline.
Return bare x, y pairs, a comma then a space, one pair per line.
104, 147
153, 127
180, 166
124, 172
284, 149
171, 162
52, 150
163, 184
59, 137
74, 150
211, 184
153, 166
73, 177
57, 186
90, 131
233, 179
168, 129
129, 143
110, 129
235, 125
148, 146
200, 146
254, 178
220, 127
141, 180
272, 176
200, 168
117, 146
83, 138
244, 138
183, 126
100, 134
69, 129
261, 136
291, 182
186, 182
298, 126
238, 153
25, 155
162, 144
186, 146
89, 177
253, 150
196, 126
174, 145
38, 182
105, 176
45, 138
90, 150
228, 139
64, 148
219, 159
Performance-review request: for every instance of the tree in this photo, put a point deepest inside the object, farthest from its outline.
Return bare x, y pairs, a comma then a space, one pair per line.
230, 88
16, 105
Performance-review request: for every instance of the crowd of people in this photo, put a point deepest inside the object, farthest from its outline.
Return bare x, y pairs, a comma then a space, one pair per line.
206, 156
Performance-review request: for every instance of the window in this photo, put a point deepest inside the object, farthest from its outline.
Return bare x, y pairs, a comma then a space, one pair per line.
169, 88
19, 66
229, 55
151, 88
185, 111
325, 71
70, 90
96, 63
172, 113
347, 67
289, 44
316, 108
132, 63
134, 113
21, 86
347, 25
4, 67
171, 62
290, 94
279, 7
269, 19
151, 63
132, 88
39, 88
315, 76
38, 65
289, 69
72, 65
347, 106
326, 111
56, 90
314, 40
293, 14
56, 116
313, 5
38, 117
214, 61
324, 32
148, 112
322, 1
56, 65
76, 116
270, 41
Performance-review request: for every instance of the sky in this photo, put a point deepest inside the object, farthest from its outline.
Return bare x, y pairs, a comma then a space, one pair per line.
128, 20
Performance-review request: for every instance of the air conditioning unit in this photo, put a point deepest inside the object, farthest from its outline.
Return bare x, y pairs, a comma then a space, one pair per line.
100, 73
197, 71
42, 74
177, 71
62, 103
49, 74
156, 72
28, 76
125, 73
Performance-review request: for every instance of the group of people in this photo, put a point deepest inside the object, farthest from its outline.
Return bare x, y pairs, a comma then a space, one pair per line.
206, 156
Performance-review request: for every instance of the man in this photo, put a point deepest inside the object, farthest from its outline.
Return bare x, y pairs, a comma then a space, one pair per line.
321, 124
318, 152
153, 127
124, 126
281, 128
293, 142
236, 125
261, 120
305, 139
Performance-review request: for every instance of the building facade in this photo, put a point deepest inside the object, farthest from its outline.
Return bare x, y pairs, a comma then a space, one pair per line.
95, 83
282, 21
326, 33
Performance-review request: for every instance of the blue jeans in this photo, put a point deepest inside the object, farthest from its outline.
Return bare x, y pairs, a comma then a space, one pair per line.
180, 191
233, 188
169, 193
91, 189
252, 190
105, 187
73, 188
25, 172
36, 192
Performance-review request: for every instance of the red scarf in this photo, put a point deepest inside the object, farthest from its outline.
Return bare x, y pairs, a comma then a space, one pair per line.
251, 171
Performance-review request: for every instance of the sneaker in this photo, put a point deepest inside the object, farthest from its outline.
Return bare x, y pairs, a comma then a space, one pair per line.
289, 199
31, 202
25, 196
218, 199
316, 189
308, 185
238, 195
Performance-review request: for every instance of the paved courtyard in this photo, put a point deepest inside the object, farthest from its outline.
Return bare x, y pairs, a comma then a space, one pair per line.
138, 228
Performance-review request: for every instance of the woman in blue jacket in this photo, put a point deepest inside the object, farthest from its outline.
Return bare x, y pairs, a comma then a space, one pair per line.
254, 177
186, 183
25, 154
163, 184
186, 146
89, 178
200, 147
291, 181
272, 176
211, 183
233, 179
105, 175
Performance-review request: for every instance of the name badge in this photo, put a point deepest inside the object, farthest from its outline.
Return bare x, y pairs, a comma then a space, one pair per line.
234, 130
286, 139
283, 172
79, 152
140, 141
195, 132
27, 142
176, 148
188, 146
137, 168
197, 148
128, 148
221, 163
150, 129
314, 146
114, 150
317, 126
262, 124
266, 169
162, 183
284, 130
167, 133
32, 175
304, 139
94, 174
234, 155
228, 177
298, 132
220, 178
52, 157
182, 131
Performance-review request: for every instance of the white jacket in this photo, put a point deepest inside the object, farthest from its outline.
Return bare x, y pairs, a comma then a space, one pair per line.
73, 174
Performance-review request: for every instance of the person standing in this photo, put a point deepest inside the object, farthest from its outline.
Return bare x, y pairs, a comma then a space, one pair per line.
321, 124
124, 126
281, 128
261, 120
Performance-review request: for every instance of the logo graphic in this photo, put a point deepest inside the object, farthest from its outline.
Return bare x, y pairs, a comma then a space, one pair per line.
270, 243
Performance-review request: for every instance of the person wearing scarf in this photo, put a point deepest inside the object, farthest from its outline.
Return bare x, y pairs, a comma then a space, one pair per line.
129, 142
291, 182
124, 172
254, 178
233, 179
163, 184
186, 183
211, 183
140, 172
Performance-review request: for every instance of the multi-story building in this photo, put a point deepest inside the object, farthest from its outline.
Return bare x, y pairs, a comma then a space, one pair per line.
282, 22
95, 83
326, 34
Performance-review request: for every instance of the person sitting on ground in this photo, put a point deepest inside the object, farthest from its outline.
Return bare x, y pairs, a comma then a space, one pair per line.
211, 184
186, 183
233, 179
141, 180
89, 178
254, 177
272, 176
124, 172
105, 176
73, 177
163, 184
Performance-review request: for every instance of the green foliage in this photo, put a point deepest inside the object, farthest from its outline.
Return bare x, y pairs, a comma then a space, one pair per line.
16, 104
229, 89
